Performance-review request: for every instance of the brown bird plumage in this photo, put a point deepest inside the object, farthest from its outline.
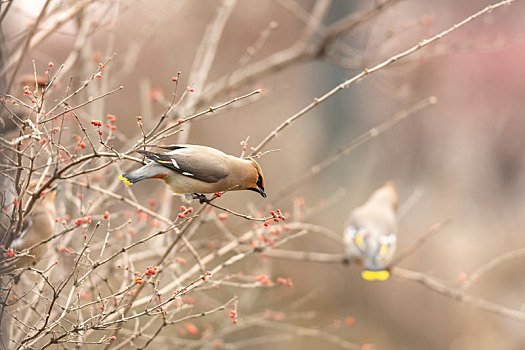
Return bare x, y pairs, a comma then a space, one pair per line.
370, 236
39, 225
11, 114
195, 169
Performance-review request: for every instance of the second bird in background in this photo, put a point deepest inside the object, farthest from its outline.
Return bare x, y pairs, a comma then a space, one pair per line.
38, 226
370, 236
194, 169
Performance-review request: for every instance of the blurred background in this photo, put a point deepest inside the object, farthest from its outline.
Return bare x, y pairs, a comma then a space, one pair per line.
464, 157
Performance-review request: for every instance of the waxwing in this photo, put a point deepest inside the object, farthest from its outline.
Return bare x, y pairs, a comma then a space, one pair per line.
38, 226
370, 235
194, 169
11, 114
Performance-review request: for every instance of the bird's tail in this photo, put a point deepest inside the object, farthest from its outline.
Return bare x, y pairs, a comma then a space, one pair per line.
136, 175
125, 178
372, 275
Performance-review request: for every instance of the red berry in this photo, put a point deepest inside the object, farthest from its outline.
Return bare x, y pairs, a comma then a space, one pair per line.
192, 330
462, 276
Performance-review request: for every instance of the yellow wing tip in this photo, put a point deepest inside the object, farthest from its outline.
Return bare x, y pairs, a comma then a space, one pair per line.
382, 275
126, 181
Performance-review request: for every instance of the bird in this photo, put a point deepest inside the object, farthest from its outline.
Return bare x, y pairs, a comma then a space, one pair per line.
194, 170
370, 235
12, 115
38, 226
7, 198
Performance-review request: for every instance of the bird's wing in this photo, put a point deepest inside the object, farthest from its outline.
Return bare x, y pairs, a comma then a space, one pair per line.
196, 164
7, 197
18, 241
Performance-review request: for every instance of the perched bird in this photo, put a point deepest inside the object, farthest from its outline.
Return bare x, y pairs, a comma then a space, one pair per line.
193, 169
12, 115
37, 226
7, 198
370, 236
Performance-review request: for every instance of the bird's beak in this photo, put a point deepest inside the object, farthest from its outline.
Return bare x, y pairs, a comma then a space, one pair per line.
258, 190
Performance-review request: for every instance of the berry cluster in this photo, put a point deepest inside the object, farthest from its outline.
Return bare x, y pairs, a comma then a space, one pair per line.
151, 270
233, 316
264, 280
9, 252
276, 215
285, 281
84, 220
184, 211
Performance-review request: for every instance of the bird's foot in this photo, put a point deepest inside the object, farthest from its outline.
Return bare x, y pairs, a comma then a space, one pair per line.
201, 197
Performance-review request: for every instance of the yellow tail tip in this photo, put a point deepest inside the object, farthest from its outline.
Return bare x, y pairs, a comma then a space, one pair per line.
126, 181
382, 275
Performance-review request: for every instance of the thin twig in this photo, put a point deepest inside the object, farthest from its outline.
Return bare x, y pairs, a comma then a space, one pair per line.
368, 71
492, 264
459, 295
355, 143
432, 231
25, 48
